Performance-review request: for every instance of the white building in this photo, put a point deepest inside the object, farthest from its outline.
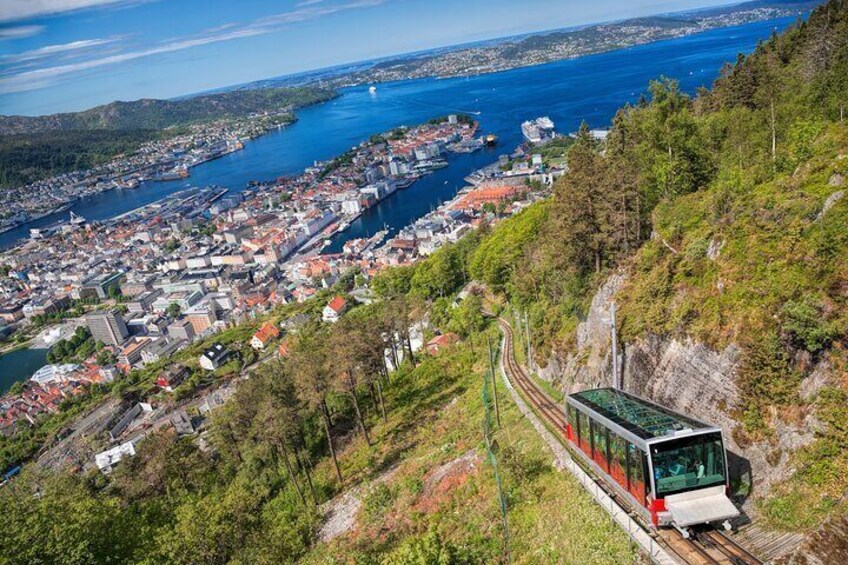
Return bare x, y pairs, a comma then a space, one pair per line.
312, 225
352, 206
53, 373
107, 460
214, 357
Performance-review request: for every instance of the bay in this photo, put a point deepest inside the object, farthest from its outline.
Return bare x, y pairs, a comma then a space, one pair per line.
589, 88
20, 365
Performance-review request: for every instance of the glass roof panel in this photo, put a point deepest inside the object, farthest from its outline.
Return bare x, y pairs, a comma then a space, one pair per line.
643, 418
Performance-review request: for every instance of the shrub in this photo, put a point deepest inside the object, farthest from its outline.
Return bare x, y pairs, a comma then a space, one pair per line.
765, 379
429, 548
377, 502
806, 326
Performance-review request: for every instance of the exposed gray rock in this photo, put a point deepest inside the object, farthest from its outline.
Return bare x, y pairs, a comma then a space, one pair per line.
836, 180
340, 513
714, 249
830, 202
818, 379
552, 372
689, 377
593, 367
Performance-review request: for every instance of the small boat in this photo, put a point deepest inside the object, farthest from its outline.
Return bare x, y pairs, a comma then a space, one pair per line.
490, 140
372, 89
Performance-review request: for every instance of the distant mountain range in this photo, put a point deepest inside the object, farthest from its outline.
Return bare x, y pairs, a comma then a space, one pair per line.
31, 147
152, 114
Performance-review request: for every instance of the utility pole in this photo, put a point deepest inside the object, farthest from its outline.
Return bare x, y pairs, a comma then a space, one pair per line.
494, 381
615, 376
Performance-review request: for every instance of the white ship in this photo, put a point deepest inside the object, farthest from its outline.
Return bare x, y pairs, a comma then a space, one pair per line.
77, 220
538, 130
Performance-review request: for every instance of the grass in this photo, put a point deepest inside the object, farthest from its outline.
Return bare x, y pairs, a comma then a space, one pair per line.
549, 388
435, 419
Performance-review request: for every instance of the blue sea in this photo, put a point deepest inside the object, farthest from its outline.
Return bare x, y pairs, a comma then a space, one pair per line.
587, 89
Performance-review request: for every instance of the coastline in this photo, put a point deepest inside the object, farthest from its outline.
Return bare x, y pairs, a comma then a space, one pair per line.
281, 157
63, 207
362, 78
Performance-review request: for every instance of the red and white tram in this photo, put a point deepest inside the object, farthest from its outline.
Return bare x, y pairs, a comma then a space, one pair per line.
671, 467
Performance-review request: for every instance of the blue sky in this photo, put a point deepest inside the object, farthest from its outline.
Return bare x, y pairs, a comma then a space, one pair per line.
65, 55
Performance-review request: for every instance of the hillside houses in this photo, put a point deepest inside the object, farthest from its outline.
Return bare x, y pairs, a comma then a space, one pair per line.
264, 336
334, 309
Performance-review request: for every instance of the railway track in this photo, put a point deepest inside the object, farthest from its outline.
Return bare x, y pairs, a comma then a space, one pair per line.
706, 547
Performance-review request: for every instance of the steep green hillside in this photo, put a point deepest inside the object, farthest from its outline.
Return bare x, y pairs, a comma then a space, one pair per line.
28, 157
407, 447
726, 211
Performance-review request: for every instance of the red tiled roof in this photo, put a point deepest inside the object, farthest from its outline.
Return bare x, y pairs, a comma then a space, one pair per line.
337, 304
267, 332
441, 341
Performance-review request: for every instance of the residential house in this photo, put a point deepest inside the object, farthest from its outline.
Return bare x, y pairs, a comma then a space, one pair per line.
334, 309
171, 377
214, 357
264, 335
440, 342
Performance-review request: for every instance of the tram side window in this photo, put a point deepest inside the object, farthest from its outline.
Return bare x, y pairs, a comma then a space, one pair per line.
618, 459
583, 425
572, 418
599, 434
636, 472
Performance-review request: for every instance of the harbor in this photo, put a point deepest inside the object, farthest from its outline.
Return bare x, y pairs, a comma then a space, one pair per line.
567, 91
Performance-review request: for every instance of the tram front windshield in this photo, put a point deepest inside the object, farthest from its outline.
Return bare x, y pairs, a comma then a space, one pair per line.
688, 463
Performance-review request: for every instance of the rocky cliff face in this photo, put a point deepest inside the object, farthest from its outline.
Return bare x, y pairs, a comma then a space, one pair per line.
684, 375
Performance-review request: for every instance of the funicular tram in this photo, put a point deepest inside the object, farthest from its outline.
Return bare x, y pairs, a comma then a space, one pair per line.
671, 467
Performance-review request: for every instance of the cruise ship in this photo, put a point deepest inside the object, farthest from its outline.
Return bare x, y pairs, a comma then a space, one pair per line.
539, 130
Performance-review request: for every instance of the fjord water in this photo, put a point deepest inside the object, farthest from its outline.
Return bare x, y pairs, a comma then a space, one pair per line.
19, 365
588, 88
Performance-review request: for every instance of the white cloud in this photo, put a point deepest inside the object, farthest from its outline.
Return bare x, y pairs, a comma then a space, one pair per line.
39, 78
11, 10
52, 50
19, 32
